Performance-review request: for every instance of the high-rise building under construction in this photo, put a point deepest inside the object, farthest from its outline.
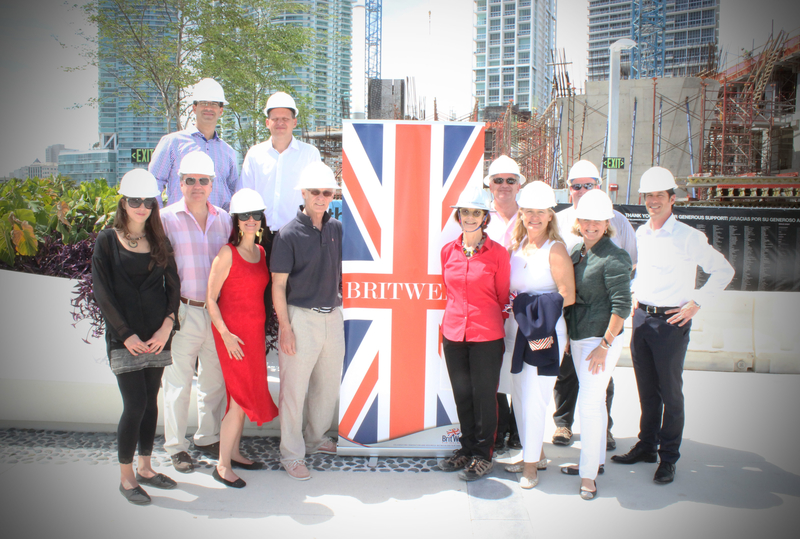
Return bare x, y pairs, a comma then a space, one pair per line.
513, 40
677, 36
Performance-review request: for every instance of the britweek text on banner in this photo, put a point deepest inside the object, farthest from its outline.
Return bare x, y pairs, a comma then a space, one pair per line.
399, 180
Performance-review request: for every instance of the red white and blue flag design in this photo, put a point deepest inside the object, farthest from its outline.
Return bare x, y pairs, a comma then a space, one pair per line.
399, 181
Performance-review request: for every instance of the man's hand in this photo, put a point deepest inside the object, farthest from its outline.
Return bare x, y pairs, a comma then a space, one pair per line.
684, 314
287, 341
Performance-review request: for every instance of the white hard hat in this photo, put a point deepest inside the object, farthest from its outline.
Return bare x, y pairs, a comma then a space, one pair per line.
197, 162
503, 165
474, 196
317, 175
595, 206
657, 179
208, 90
583, 169
138, 183
246, 200
536, 195
280, 100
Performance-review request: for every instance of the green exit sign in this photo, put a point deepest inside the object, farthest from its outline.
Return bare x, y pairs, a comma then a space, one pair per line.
614, 162
141, 155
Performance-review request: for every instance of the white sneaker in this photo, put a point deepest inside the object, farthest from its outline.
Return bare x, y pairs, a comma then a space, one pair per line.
297, 470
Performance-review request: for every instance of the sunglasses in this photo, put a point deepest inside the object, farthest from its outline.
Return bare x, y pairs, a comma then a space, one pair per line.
149, 203
578, 186
509, 181
257, 215
190, 181
327, 193
466, 212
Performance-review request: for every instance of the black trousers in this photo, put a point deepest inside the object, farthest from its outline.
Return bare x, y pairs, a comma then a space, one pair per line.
658, 350
266, 242
137, 424
474, 369
565, 394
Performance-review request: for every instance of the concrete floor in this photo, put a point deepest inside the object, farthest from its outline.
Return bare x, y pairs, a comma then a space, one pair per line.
739, 476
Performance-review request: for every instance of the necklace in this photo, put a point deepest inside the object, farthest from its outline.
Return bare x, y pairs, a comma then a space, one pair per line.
133, 242
469, 251
583, 250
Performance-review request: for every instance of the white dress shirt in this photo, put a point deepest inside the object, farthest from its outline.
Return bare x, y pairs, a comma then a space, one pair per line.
274, 175
667, 267
500, 231
624, 235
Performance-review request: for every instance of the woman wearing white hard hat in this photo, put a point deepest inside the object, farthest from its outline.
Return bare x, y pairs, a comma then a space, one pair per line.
136, 285
594, 321
476, 277
542, 279
235, 303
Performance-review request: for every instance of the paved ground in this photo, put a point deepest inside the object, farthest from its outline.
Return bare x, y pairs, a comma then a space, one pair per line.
739, 476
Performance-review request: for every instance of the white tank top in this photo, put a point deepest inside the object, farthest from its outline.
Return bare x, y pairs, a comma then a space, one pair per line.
531, 273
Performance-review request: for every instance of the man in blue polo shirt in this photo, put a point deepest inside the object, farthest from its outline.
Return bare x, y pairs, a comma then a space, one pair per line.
306, 265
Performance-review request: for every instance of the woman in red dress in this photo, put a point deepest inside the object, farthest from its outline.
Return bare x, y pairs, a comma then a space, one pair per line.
235, 301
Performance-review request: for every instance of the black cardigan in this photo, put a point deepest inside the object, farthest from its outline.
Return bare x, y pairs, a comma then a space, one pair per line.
129, 310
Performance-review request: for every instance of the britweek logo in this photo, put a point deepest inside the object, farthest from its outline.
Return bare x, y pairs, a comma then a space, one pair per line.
451, 435
396, 291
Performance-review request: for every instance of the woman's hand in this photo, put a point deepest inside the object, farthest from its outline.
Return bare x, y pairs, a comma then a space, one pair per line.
135, 345
159, 340
233, 344
597, 360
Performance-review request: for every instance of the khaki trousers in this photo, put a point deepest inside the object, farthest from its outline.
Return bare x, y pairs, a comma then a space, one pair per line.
315, 370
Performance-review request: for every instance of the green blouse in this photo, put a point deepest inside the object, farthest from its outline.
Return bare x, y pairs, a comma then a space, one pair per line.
602, 288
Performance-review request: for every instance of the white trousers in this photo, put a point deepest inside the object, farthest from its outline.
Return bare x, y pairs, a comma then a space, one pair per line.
592, 402
531, 395
194, 340
315, 370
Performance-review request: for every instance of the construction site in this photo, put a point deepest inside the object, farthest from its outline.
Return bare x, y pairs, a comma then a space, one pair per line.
730, 136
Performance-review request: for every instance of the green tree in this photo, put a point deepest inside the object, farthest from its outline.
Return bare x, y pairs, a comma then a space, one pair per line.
167, 45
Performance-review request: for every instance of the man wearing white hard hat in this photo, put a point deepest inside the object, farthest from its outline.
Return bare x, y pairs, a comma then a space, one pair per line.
665, 303
306, 265
208, 102
584, 177
197, 230
272, 169
504, 181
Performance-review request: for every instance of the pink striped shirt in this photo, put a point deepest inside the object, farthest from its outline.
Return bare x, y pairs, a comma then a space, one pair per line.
194, 247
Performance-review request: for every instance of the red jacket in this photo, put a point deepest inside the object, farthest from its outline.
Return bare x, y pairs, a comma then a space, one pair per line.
477, 292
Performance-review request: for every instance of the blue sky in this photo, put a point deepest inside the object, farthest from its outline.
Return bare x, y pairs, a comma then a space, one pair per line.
436, 49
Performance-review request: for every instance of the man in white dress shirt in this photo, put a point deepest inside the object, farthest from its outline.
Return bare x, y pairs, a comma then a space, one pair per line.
272, 168
582, 178
665, 303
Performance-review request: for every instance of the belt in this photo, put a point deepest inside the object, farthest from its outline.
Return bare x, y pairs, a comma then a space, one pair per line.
323, 310
651, 309
193, 303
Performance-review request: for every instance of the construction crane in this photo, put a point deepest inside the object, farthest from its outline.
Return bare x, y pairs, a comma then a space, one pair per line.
372, 55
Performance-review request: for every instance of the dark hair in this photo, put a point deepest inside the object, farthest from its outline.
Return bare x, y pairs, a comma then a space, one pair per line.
670, 193
287, 108
160, 249
487, 218
235, 239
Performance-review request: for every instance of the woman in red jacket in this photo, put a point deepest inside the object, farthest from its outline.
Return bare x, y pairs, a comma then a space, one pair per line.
476, 274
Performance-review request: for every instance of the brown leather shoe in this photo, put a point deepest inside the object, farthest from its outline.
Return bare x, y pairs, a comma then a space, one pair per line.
182, 462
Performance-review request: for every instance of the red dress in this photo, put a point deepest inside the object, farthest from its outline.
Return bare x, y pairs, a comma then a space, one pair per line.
241, 303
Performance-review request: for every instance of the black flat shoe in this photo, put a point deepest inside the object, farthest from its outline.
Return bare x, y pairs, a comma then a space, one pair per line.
588, 494
252, 466
239, 483
136, 496
159, 481
575, 470
636, 454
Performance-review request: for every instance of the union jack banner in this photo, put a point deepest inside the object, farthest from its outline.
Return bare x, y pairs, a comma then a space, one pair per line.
399, 181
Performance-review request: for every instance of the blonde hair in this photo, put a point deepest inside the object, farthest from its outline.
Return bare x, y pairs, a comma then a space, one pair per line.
609, 233
520, 232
